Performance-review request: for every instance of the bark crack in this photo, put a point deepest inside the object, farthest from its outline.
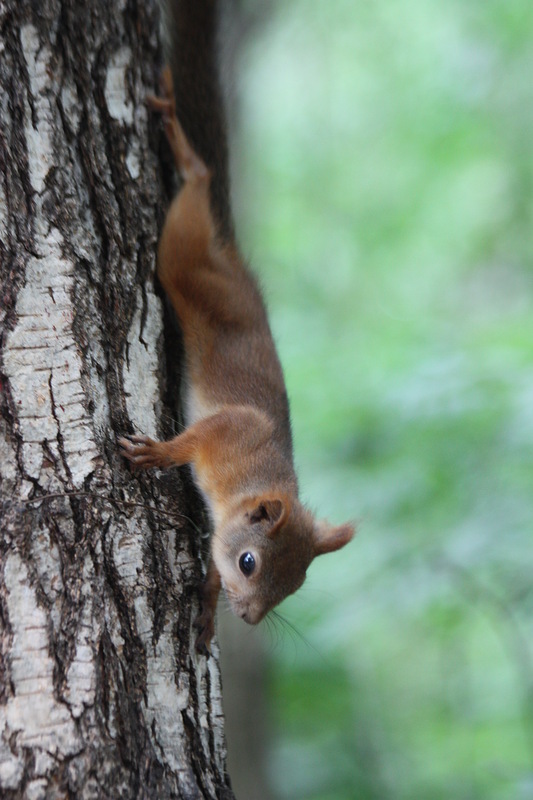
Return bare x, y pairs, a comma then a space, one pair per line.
59, 437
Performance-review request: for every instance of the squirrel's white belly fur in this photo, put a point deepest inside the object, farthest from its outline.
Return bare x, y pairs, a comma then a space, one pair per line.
195, 405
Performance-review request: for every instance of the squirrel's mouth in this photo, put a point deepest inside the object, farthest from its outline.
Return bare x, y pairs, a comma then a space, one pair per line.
249, 616
240, 609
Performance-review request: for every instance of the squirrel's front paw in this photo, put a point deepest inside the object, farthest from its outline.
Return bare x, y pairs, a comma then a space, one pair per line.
142, 451
205, 625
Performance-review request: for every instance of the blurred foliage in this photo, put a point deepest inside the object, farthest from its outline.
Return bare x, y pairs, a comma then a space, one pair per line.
386, 179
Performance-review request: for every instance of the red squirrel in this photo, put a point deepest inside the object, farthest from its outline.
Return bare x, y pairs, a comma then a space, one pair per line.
238, 437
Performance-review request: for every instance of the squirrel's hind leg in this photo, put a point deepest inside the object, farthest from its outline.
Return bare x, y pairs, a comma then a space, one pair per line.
189, 164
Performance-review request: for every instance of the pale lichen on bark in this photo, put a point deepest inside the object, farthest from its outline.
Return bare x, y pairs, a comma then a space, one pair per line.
33, 712
41, 358
143, 337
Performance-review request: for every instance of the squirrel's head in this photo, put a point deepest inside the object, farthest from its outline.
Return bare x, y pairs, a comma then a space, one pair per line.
263, 549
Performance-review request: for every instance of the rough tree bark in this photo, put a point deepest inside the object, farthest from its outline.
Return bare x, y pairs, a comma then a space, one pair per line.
101, 693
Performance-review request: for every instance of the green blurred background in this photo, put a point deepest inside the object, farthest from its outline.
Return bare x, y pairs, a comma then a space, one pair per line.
385, 191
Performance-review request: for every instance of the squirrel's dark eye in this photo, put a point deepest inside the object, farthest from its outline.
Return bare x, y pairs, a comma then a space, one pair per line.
247, 563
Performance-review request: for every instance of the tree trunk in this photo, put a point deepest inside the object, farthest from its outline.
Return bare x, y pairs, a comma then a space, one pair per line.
101, 693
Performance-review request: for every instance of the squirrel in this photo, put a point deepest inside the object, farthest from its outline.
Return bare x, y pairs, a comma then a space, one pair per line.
238, 437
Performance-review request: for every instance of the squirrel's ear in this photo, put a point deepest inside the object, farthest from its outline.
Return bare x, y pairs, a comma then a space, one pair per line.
269, 510
329, 538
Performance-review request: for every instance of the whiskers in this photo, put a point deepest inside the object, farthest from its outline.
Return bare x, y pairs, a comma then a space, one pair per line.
280, 627
274, 630
175, 424
224, 604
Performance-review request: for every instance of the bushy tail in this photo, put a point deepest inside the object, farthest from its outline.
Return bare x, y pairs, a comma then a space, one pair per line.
190, 36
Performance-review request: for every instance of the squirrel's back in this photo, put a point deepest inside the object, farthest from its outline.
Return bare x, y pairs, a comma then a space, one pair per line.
230, 353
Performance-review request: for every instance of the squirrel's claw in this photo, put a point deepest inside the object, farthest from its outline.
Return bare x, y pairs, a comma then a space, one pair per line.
165, 104
160, 104
140, 450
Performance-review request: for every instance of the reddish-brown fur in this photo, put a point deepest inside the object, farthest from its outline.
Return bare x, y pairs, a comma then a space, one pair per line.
239, 438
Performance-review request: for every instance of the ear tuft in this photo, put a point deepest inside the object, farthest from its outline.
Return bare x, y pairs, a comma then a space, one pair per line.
270, 510
329, 538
